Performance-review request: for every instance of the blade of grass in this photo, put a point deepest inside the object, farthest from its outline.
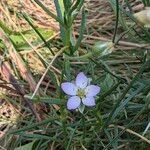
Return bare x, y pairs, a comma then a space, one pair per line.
49, 12
26, 17
48, 100
75, 6
81, 31
137, 76
122, 105
60, 14
71, 137
67, 5
34, 125
110, 139
117, 21
131, 122
77, 10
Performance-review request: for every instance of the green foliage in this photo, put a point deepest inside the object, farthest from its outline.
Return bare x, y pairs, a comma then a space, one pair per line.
123, 76
146, 2
67, 13
28, 146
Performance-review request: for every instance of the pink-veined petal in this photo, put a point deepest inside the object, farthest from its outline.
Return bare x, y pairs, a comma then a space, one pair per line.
92, 90
69, 88
73, 102
81, 80
89, 101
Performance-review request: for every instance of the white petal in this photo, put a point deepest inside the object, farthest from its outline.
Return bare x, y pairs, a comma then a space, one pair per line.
73, 102
69, 88
92, 90
81, 80
89, 101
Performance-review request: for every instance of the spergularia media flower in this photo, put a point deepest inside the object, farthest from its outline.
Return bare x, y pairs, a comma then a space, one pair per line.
81, 92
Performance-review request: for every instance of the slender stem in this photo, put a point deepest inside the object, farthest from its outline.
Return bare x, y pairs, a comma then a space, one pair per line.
123, 34
83, 123
50, 64
117, 21
131, 132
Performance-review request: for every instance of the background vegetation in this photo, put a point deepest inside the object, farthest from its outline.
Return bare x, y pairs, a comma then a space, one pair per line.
44, 43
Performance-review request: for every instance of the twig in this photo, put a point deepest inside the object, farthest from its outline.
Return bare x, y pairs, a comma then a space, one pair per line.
132, 132
50, 64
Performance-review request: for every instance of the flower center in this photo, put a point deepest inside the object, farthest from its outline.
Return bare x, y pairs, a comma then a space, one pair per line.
81, 93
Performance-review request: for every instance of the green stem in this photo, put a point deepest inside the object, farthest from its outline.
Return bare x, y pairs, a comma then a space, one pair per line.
117, 21
83, 123
86, 56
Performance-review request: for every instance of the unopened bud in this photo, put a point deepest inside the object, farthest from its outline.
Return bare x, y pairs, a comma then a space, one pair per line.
143, 17
103, 48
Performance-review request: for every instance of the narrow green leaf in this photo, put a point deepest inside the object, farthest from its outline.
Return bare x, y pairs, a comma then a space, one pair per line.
110, 139
67, 70
36, 136
126, 91
36, 31
123, 104
5, 28
49, 12
71, 137
67, 5
75, 6
35, 125
128, 125
47, 99
74, 15
26, 146
60, 15
81, 31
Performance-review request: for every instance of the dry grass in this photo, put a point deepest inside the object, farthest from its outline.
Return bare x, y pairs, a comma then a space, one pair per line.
19, 77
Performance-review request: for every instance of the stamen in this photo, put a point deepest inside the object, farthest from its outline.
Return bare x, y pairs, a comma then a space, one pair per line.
81, 93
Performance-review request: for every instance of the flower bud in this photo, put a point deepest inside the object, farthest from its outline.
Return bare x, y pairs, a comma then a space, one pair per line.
143, 17
103, 48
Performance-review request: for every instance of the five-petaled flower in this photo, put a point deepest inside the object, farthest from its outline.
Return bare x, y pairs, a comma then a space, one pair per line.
80, 92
